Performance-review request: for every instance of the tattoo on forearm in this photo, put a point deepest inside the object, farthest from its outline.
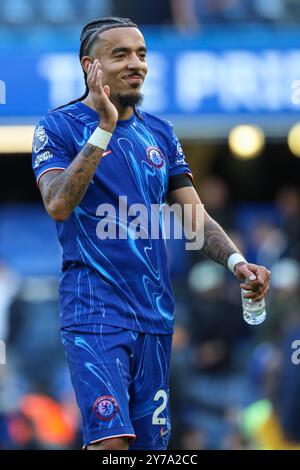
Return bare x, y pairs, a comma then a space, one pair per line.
217, 245
70, 185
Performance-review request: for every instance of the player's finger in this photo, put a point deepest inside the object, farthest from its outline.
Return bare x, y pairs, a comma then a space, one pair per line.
99, 79
259, 294
249, 295
251, 285
97, 85
93, 72
89, 71
266, 283
247, 287
97, 65
258, 298
254, 295
92, 66
90, 75
261, 276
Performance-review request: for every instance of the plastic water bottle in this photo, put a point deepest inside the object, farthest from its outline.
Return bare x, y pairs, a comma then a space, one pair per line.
254, 313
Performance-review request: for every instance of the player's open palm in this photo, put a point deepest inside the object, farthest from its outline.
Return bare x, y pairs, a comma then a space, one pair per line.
100, 95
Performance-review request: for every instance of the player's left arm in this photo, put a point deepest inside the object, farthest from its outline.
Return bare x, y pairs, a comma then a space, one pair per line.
217, 245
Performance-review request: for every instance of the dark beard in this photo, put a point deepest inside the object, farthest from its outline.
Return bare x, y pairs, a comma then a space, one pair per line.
130, 99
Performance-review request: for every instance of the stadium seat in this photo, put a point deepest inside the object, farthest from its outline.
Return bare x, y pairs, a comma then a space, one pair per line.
58, 11
16, 12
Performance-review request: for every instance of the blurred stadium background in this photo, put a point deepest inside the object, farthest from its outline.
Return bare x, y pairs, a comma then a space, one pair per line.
227, 74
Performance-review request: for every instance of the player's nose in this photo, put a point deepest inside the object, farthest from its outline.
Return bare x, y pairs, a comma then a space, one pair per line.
134, 62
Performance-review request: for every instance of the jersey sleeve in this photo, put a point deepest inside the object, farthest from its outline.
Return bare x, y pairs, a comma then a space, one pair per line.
50, 150
178, 165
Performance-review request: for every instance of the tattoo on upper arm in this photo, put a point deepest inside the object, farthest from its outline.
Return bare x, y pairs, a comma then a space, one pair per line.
70, 185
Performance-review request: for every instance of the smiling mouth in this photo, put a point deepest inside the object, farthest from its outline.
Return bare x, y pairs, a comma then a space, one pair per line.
134, 78
134, 81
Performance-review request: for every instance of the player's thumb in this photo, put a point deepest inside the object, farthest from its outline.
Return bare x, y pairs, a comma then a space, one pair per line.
106, 89
243, 273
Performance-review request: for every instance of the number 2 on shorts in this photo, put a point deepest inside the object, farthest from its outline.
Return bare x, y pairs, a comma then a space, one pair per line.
156, 420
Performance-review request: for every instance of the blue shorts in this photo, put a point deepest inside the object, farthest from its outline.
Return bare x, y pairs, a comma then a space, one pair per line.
120, 378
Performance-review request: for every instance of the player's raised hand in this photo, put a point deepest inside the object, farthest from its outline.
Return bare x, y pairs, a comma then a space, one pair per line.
108, 113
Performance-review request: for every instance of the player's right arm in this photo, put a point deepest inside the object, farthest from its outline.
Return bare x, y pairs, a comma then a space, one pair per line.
63, 190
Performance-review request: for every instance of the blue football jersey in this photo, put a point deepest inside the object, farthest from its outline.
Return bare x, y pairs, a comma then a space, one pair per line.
111, 273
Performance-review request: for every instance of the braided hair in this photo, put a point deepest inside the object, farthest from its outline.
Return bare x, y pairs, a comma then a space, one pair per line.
89, 36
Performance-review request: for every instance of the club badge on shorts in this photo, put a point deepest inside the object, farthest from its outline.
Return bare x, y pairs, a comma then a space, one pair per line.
155, 157
106, 407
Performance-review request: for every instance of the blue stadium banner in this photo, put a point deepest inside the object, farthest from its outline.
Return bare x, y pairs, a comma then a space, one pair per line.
182, 82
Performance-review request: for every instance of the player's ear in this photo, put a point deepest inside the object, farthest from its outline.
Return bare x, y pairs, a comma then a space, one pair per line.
85, 61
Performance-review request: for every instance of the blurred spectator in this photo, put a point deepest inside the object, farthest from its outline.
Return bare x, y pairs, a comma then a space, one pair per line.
284, 300
214, 194
39, 422
185, 14
206, 376
154, 12
68, 12
192, 14
57, 11
212, 345
270, 10
274, 375
9, 284
52, 425
72, 11
16, 12
34, 340
60, 12
292, 10
289, 405
288, 204
216, 322
268, 242
272, 420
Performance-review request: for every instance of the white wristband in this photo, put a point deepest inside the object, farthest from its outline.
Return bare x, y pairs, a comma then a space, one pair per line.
100, 138
234, 259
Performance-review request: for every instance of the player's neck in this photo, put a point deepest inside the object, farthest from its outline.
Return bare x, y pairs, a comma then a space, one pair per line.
124, 113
